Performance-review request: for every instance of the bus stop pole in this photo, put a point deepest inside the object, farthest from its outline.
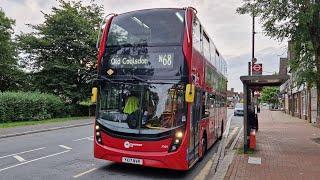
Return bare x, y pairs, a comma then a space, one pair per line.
245, 117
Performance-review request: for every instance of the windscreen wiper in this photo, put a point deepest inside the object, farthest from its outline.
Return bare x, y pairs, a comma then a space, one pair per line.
133, 77
139, 78
103, 78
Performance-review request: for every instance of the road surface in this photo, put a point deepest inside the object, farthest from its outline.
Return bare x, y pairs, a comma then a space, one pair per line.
68, 154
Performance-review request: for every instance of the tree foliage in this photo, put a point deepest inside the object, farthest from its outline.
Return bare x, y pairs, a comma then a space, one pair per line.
20, 106
9, 71
298, 21
270, 95
61, 51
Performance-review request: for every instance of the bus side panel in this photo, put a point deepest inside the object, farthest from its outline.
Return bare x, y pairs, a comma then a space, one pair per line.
203, 126
211, 132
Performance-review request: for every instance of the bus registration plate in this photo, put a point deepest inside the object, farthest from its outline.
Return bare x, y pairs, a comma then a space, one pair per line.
132, 160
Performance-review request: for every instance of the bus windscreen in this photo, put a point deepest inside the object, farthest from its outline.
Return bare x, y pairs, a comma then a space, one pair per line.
142, 109
147, 27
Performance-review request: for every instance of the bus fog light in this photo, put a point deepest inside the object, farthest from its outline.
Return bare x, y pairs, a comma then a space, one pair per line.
98, 133
177, 141
99, 140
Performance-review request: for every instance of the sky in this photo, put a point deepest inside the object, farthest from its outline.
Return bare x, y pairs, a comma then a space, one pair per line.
230, 31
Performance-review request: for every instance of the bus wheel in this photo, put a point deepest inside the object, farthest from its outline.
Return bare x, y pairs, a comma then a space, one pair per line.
204, 145
220, 137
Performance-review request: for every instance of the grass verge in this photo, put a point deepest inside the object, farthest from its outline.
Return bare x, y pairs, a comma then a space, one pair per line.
34, 122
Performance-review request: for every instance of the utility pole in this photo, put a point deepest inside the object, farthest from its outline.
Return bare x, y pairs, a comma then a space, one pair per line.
253, 44
253, 36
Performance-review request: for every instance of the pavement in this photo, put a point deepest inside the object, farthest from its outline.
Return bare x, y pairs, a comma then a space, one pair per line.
30, 129
287, 148
68, 154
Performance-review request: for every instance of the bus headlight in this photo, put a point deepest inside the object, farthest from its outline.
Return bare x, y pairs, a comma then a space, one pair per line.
176, 141
179, 134
98, 134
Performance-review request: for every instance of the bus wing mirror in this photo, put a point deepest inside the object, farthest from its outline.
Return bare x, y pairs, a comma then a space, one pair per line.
94, 95
190, 91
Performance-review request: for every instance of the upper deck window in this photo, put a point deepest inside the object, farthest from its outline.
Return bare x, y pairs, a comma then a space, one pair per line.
147, 27
196, 34
206, 46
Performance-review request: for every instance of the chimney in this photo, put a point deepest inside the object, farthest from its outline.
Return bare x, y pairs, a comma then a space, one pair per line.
283, 66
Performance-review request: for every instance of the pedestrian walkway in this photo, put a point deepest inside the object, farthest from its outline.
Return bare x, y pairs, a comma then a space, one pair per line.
288, 148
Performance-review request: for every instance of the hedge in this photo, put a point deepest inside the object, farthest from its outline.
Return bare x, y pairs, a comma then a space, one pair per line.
22, 106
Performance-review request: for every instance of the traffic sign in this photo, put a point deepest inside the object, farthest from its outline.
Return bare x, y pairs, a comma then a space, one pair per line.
257, 69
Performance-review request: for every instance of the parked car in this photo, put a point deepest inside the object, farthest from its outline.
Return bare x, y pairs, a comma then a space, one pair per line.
238, 109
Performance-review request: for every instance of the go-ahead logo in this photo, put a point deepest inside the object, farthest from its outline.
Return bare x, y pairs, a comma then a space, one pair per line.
127, 144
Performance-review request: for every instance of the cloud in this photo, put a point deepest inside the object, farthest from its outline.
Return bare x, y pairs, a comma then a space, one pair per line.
230, 32
27, 12
238, 65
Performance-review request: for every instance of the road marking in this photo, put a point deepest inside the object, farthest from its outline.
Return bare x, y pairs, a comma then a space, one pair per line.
213, 161
22, 152
226, 131
236, 139
19, 158
206, 170
224, 165
220, 154
86, 172
65, 147
85, 138
234, 131
26, 162
231, 135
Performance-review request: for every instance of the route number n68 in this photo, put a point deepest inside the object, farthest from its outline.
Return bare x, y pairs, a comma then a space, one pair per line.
165, 59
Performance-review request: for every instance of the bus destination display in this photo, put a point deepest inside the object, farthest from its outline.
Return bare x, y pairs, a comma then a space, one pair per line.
150, 60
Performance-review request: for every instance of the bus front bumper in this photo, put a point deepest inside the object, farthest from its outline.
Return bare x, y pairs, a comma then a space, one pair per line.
175, 160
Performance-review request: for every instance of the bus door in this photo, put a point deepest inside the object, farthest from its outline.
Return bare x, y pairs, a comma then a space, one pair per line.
193, 153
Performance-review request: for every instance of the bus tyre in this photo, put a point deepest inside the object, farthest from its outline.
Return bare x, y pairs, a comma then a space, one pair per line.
204, 145
220, 137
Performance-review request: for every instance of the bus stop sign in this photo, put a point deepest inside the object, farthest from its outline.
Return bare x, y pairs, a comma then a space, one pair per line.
257, 69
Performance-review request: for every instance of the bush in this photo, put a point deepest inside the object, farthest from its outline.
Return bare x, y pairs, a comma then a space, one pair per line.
80, 110
21, 106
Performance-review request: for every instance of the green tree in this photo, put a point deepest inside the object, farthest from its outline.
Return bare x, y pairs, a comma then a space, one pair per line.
270, 95
9, 71
298, 21
61, 51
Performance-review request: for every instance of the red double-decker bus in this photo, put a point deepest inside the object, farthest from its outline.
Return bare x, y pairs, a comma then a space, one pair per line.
161, 89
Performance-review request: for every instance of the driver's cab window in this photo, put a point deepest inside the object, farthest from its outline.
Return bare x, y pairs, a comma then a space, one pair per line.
174, 108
